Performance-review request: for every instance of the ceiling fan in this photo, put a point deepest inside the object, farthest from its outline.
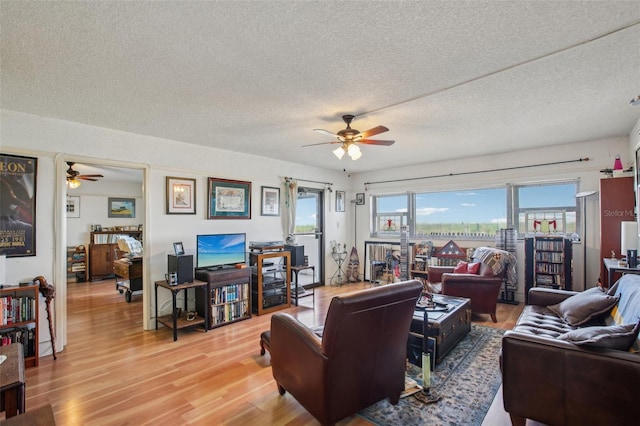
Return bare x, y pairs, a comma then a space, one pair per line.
74, 177
348, 138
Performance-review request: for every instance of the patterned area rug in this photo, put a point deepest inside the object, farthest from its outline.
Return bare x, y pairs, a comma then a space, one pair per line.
467, 380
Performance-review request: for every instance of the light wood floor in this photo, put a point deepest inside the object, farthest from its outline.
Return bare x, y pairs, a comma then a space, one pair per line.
113, 372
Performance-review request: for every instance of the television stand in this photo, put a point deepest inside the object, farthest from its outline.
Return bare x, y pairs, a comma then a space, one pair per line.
229, 298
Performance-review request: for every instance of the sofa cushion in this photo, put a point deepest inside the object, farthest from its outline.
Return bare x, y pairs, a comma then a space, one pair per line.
582, 307
619, 337
461, 268
467, 268
540, 321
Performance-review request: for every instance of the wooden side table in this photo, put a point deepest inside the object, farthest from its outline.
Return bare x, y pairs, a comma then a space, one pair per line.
175, 320
12, 382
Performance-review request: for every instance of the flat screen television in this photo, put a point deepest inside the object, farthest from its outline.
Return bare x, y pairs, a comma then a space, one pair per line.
217, 251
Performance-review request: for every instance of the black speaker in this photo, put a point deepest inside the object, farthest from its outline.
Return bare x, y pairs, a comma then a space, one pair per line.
297, 254
183, 265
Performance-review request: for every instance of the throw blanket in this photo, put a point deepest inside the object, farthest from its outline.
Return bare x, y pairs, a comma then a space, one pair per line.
499, 260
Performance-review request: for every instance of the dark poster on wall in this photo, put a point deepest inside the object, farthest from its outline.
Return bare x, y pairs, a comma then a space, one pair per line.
17, 205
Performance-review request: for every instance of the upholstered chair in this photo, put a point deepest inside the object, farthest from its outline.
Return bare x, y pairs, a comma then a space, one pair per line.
360, 358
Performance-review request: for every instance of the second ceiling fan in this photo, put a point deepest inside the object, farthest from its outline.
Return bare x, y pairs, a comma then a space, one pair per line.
348, 138
74, 177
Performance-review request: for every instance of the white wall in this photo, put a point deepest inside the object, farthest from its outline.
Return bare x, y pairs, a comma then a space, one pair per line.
94, 198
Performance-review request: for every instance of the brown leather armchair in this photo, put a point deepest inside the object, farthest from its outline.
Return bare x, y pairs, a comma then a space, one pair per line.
482, 289
360, 358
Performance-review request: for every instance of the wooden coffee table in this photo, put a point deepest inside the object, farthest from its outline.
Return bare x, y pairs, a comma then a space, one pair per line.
446, 325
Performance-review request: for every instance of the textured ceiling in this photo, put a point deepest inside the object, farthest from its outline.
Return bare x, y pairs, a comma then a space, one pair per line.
448, 79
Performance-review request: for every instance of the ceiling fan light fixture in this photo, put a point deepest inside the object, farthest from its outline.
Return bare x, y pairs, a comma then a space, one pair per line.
354, 150
73, 183
357, 155
339, 152
635, 101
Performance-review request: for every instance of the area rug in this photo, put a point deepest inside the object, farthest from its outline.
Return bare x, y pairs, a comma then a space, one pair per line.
466, 380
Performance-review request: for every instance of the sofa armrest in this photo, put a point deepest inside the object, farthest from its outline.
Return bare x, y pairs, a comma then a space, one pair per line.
435, 272
557, 382
547, 296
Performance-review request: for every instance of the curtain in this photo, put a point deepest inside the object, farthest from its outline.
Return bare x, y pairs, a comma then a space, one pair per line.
290, 201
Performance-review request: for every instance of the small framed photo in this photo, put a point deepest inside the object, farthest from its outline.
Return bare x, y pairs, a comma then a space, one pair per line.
122, 207
339, 201
181, 195
270, 201
360, 198
229, 199
73, 206
178, 248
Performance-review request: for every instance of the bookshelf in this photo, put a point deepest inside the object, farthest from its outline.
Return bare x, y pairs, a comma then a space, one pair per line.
19, 320
77, 263
548, 263
229, 298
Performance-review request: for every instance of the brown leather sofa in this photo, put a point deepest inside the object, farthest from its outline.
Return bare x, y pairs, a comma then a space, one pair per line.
558, 382
360, 358
482, 288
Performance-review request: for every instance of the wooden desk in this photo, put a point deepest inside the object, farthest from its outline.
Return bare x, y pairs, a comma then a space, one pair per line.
12, 382
611, 265
176, 320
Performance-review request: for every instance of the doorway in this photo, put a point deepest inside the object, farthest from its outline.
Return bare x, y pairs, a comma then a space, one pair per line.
90, 207
310, 234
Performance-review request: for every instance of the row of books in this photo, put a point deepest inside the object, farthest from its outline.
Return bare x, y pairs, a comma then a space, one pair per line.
550, 245
229, 293
549, 256
23, 335
107, 238
14, 309
229, 312
549, 268
542, 280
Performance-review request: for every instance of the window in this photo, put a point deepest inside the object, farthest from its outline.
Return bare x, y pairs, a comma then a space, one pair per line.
547, 208
479, 213
473, 213
390, 212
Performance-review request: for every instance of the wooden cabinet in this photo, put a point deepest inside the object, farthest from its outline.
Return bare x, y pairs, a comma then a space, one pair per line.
548, 263
229, 295
102, 252
19, 320
617, 204
270, 280
77, 263
101, 257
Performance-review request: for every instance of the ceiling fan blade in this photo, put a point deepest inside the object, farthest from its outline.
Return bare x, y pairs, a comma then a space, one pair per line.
87, 178
372, 132
93, 176
321, 143
376, 142
325, 132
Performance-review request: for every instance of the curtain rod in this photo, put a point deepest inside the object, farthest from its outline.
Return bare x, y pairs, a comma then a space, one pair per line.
480, 171
307, 180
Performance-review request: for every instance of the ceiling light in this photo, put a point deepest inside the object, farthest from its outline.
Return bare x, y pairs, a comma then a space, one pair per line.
73, 183
339, 152
354, 152
635, 101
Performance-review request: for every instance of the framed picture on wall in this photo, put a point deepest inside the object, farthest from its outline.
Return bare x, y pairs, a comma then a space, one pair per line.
229, 199
122, 207
360, 199
339, 201
181, 195
270, 201
18, 205
73, 206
